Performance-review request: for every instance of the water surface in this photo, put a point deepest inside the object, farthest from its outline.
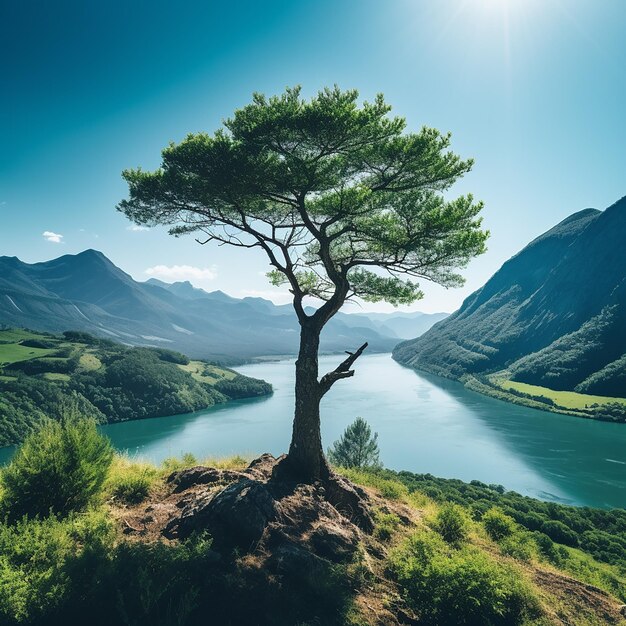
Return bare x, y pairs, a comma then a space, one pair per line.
425, 424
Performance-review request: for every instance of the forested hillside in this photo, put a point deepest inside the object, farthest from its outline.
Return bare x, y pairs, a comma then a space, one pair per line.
553, 317
109, 381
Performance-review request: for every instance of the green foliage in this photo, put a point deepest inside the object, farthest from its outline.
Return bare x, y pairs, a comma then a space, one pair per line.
345, 180
498, 525
356, 448
109, 381
451, 586
451, 523
39, 564
130, 483
598, 532
559, 532
242, 387
386, 524
609, 381
26, 401
58, 469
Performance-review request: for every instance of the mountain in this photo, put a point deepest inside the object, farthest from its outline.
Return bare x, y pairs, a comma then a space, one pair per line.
553, 316
397, 325
401, 325
88, 292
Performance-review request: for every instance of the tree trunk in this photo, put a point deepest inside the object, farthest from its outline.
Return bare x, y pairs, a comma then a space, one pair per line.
306, 456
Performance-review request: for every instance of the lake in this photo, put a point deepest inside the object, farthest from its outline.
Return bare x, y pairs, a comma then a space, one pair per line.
425, 424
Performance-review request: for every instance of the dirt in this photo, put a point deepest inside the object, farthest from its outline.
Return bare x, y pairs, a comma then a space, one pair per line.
279, 529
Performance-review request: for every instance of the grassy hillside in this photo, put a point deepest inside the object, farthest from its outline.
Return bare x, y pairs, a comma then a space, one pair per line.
441, 552
112, 382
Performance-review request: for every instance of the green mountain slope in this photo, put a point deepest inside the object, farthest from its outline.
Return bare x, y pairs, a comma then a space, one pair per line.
553, 316
112, 382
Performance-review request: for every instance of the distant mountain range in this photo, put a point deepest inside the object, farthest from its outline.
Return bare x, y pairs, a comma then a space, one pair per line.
88, 292
554, 315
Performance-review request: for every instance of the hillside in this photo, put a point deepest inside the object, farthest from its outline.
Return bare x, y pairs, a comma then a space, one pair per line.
109, 381
88, 292
439, 552
533, 330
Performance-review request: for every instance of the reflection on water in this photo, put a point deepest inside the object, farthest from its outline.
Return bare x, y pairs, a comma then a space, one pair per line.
425, 424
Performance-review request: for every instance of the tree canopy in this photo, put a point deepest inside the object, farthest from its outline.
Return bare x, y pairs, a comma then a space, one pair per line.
341, 198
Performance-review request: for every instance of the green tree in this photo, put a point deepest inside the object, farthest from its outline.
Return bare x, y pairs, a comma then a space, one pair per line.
343, 201
356, 447
59, 468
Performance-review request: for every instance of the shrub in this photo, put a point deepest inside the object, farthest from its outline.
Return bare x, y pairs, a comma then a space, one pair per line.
465, 586
131, 488
59, 468
357, 447
559, 532
498, 525
35, 580
386, 524
451, 523
519, 545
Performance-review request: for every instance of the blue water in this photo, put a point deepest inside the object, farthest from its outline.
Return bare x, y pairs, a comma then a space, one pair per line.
424, 423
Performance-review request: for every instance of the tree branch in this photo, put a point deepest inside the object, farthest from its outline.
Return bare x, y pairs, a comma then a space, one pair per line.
341, 371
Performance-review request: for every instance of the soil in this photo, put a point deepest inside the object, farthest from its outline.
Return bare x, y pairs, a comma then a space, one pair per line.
279, 528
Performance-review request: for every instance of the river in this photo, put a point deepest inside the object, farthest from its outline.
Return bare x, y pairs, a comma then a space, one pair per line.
424, 424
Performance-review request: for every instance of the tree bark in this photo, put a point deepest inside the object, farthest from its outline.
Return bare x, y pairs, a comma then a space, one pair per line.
306, 456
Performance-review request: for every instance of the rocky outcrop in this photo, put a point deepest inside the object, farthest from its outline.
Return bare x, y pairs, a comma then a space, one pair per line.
251, 510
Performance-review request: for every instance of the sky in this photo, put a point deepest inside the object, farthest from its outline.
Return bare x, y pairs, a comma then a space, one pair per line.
534, 90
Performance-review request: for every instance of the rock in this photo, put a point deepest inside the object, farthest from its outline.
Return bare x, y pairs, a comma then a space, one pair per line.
293, 560
199, 475
262, 467
622, 610
350, 500
334, 541
235, 516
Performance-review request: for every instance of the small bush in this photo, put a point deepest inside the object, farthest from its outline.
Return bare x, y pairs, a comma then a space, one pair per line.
451, 523
386, 524
559, 532
520, 545
132, 488
174, 464
58, 469
498, 524
37, 565
465, 586
356, 448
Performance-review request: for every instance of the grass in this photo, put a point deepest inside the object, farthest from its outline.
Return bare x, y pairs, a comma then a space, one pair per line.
89, 362
565, 399
56, 376
435, 562
13, 335
15, 352
206, 373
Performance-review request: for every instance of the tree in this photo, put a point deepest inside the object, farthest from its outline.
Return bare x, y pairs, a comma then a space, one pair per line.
343, 201
59, 468
356, 447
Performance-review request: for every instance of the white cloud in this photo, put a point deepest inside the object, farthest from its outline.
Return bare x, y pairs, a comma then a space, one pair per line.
135, 228
48, 235
182, 272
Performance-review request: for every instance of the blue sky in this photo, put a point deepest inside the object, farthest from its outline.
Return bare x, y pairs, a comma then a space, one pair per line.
535, 90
